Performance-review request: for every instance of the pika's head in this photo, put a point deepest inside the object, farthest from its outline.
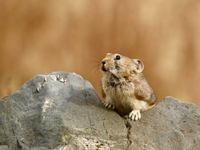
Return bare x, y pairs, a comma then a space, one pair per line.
121, 66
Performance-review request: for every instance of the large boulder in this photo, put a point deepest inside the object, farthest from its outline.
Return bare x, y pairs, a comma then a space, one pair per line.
61, 111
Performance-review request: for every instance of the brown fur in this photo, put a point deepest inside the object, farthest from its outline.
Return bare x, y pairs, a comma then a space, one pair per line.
124, 85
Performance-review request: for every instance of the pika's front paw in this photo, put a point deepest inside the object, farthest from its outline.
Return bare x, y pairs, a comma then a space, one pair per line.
135, 115
109, 105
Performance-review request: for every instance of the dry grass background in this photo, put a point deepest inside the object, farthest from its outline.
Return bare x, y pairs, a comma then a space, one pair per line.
38, 37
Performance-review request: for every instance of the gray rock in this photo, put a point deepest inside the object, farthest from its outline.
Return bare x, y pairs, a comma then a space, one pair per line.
171, 125
4, 147
61, 111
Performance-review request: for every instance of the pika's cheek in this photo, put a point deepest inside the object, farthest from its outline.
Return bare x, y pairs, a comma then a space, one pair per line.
114, 71
117, 67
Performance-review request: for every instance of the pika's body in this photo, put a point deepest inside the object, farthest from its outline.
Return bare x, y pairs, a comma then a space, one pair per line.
124, 87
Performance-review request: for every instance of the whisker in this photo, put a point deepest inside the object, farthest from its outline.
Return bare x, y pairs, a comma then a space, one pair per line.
95, 63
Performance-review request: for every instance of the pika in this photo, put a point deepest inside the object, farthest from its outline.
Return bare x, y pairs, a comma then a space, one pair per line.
124, 86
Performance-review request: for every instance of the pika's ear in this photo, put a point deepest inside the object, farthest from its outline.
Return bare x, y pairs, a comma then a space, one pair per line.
139, 65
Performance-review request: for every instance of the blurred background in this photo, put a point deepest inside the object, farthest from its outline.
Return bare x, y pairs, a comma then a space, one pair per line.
39, 37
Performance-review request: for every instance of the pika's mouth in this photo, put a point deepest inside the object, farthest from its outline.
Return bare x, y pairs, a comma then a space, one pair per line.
103, 68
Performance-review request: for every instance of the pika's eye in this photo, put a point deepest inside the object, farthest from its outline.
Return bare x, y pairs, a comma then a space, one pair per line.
117, 57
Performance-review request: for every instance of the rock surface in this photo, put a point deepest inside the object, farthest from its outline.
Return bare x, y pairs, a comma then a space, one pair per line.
61, 111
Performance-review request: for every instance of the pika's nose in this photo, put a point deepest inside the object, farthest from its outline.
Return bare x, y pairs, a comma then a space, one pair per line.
103, 62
